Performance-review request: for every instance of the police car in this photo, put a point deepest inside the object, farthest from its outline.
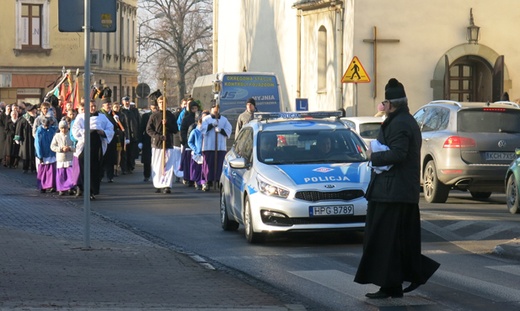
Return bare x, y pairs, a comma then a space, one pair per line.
294, 172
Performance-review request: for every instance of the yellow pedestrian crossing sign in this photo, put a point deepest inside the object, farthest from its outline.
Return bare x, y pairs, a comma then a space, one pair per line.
355, 73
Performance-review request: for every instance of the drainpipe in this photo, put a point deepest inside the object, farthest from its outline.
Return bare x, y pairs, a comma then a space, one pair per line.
121, 32
339, 54
215, 34
298, 54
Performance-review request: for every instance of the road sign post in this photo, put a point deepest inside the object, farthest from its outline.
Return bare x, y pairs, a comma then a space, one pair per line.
355, 73
87, 16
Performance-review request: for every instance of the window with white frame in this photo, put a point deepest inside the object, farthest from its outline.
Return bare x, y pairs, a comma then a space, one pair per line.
32, 31
32, 25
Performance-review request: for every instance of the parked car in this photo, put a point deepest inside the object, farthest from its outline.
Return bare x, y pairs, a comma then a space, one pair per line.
366, 127
278, 178
466, 146
512, 182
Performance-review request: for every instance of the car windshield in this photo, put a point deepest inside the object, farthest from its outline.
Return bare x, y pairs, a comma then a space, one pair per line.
305, 146
492, 120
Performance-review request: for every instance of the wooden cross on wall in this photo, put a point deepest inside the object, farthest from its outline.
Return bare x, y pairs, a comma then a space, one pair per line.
375, 40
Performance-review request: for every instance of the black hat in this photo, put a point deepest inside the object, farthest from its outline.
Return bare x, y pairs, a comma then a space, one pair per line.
30, 107
106, 100
126, 98
106, 92
155, 95
251, 101
394, 89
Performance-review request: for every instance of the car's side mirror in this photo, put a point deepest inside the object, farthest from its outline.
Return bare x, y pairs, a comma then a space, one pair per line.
239, 163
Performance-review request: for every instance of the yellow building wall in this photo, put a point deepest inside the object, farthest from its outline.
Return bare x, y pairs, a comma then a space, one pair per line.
26, 76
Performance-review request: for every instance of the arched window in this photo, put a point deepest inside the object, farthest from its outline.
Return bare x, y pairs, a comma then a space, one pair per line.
322, 59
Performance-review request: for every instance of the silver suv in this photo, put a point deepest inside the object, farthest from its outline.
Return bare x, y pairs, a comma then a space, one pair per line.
466, 146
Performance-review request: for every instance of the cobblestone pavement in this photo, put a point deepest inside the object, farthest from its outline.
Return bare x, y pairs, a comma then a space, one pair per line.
44, 264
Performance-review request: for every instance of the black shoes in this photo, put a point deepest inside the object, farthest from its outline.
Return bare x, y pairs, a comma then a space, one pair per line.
411, 287
384, 293
163, 190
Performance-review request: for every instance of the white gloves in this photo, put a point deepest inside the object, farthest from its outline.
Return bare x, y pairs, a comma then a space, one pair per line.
217, 129
140, 145
127, 141
116, 117
17, 142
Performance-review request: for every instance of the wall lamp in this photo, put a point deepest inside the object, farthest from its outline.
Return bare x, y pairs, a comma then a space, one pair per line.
473, 31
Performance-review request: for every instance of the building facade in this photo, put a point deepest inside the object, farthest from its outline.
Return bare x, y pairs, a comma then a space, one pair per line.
34, 52
310, 45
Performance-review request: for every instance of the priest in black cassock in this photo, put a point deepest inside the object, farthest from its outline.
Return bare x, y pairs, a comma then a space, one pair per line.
101, 133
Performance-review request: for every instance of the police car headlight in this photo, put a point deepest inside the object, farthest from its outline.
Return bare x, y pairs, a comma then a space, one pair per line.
271, 190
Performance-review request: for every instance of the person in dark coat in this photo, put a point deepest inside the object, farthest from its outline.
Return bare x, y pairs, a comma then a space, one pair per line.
25, 138
12, 148
246, 116
145, 144
132, 126
392, 241
5, 112
120, 135
110, 156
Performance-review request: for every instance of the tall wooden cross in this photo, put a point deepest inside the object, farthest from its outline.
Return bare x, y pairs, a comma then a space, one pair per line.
375, 40
164, 107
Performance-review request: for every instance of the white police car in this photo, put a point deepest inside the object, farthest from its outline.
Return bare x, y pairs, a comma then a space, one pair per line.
294, 172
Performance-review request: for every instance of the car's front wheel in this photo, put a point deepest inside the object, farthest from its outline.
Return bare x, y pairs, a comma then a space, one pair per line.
251, 235
226, 223
434, 190
512, 195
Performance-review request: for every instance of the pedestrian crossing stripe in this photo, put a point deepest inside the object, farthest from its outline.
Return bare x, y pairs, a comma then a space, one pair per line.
355, 73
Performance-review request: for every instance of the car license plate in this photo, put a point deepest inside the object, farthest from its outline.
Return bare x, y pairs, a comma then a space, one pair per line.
331, 210
500, 156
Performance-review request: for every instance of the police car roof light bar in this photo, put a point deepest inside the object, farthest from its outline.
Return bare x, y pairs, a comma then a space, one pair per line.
297, 115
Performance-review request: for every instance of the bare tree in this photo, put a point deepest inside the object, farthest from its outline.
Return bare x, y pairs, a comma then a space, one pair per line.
178, 40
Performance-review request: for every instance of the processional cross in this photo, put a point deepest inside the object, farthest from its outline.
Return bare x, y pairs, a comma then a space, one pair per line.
375, 40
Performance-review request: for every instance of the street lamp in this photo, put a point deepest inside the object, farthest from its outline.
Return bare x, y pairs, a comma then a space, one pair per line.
159, 15
473, 30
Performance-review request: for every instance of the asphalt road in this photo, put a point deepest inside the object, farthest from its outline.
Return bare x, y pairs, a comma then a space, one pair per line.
318, 269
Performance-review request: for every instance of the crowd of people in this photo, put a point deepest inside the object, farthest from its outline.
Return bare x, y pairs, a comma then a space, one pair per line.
48, 140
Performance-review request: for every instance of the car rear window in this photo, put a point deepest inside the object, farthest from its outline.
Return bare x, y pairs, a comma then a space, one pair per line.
369, 130
489, 120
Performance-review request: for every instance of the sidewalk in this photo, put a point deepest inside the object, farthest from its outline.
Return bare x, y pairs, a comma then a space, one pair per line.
44, 265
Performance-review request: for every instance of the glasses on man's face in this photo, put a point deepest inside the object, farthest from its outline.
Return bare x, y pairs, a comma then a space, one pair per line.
385, 102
